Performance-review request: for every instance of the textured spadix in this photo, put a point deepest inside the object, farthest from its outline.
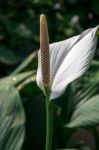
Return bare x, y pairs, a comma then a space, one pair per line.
44, 49
69, 59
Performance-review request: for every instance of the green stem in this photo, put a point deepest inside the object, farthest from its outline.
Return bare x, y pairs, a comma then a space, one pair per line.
49, 124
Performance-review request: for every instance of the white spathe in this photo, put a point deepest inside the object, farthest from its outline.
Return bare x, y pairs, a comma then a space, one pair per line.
69, 59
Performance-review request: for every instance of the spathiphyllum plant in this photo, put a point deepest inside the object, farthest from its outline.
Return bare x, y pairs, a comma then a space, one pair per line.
59, 64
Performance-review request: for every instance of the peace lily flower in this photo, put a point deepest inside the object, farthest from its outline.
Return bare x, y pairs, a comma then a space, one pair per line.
62, 62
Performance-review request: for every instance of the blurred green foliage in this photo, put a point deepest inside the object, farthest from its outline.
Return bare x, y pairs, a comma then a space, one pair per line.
19, 24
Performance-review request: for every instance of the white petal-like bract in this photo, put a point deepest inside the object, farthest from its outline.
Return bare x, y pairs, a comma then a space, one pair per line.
69, 59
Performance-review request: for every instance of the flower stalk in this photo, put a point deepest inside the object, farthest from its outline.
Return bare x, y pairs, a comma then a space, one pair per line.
49, 124
45, 72
67, 61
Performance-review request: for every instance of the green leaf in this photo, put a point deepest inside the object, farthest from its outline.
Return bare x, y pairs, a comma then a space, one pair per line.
16, 79
7, 56
31, 59
22, 30
27, 82
95, 63
12, 119
66, 149
86, 114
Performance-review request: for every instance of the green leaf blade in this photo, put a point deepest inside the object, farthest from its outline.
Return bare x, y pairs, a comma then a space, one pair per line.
86, 114
12, 119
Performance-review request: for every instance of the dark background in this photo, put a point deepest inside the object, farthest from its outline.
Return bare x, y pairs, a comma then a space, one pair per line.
19, 25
